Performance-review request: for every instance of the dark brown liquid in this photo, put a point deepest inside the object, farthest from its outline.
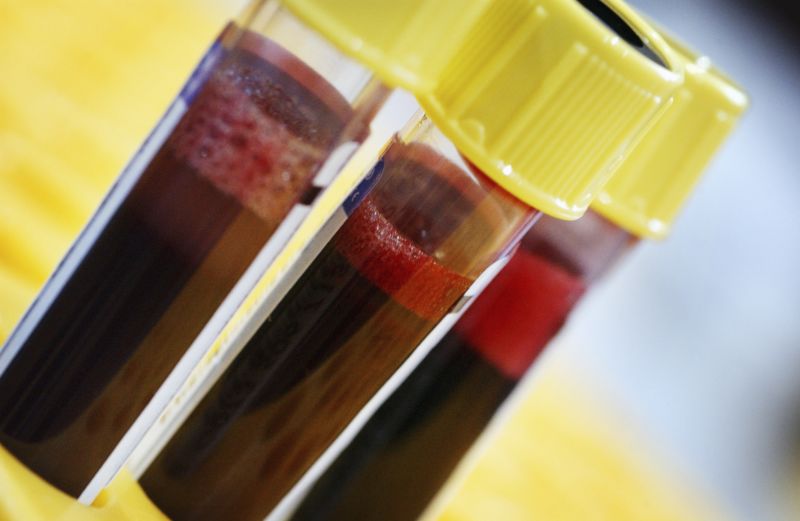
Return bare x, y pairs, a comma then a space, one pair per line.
406, 452
346, 325
240, 157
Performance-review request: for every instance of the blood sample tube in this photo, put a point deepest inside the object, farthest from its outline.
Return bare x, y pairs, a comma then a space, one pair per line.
405, 454
189, 223
506, 136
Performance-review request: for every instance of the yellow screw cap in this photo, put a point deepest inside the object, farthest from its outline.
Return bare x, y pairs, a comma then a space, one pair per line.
649, 189
406, 43
546, 99
541, 95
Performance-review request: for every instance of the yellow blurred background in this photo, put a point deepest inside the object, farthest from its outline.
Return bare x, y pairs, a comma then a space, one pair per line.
83, 82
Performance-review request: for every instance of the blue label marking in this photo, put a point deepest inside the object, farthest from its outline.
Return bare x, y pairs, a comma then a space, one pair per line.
363, 189
201, 72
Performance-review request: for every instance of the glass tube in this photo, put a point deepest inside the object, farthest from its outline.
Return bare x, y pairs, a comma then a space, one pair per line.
239, 155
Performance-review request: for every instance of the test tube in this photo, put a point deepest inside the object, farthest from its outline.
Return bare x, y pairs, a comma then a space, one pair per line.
426, 224
405, 454
266, 119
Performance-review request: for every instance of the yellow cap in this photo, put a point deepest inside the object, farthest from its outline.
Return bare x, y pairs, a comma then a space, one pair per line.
406, 43
649, 189
540, 94
546, 99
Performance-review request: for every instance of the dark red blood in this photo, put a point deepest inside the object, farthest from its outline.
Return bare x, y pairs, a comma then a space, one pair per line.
446, 171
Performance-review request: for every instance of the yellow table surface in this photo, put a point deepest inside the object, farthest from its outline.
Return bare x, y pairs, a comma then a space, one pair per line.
83, 81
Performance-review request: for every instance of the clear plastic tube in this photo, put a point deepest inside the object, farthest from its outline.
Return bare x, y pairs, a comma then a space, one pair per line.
404, 455
223, 179
401, 261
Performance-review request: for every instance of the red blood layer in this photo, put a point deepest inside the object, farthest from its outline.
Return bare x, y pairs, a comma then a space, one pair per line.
241, 132
245, 153
396, 265
519, 312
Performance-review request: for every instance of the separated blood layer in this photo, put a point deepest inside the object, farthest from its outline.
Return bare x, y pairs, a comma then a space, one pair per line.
406, 452
372, 294
241, 156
